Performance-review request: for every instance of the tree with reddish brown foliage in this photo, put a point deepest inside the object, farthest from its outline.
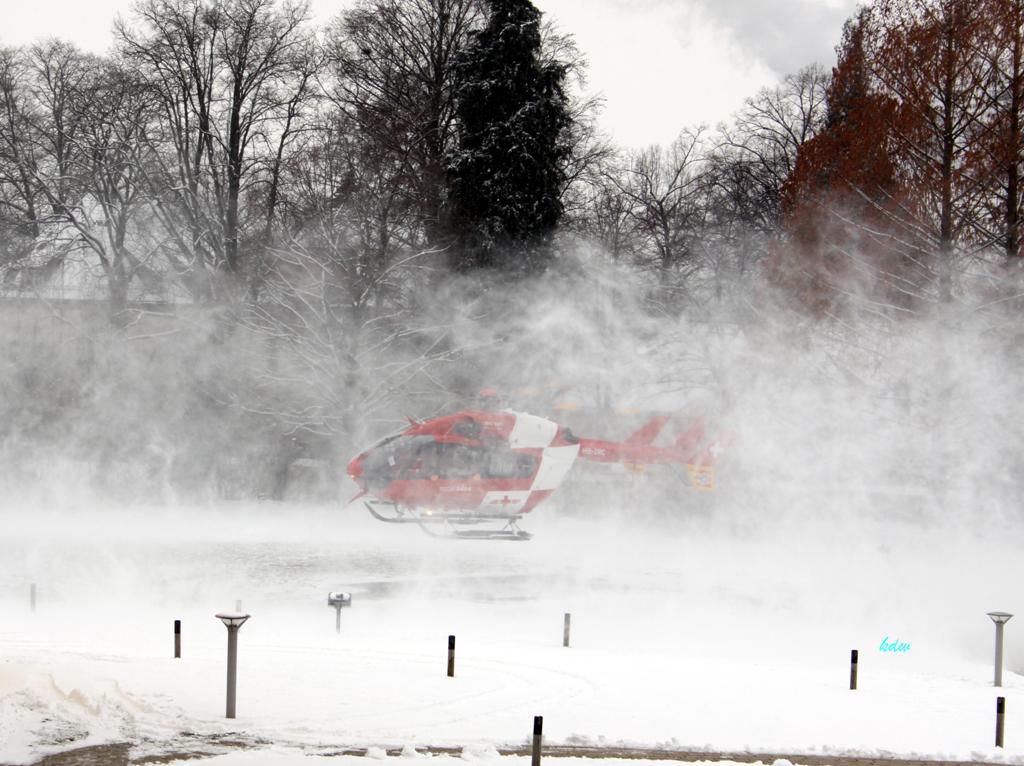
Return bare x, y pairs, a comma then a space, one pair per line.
894, 191
838, 201
925, 55
997, 153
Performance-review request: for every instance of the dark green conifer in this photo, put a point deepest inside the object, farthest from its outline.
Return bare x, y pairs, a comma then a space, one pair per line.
508, 173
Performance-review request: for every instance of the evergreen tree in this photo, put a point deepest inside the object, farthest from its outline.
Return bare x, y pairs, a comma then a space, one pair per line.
508, 172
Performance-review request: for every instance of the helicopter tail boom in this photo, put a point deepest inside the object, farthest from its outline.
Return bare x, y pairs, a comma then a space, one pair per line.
691, 450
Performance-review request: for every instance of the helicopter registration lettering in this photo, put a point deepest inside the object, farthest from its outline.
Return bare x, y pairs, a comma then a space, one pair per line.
598, 451
457, 488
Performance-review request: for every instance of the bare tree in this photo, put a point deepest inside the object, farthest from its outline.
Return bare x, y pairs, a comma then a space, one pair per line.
226, 76
116, 113
590, 148
666, 190
757, 152
338, 346
392, 64
38, 143
60, 73
602, 212
83, 152
20, 199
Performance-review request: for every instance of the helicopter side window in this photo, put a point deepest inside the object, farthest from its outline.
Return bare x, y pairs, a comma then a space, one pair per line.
506, 464
425, 464
414, 458
467, 428
464, 462
439, 459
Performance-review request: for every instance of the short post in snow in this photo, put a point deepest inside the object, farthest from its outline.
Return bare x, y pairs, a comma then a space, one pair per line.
338, 601
1000, 717
1000, 619
853, 668
565, 629
177, 639
232, 621
538, 736
32, 597
451, 656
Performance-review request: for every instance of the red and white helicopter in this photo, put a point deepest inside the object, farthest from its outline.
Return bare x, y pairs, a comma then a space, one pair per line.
490, 468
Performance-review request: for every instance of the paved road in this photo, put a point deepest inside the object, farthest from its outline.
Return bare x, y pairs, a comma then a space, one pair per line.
119, 755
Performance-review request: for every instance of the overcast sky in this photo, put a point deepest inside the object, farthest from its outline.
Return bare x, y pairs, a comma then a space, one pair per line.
660, 64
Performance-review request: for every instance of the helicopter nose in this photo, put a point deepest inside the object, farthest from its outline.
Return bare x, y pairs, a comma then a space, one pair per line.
355, 469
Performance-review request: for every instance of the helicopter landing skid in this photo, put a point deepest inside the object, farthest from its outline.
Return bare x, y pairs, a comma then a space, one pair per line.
451, 522
399, 518
509, 532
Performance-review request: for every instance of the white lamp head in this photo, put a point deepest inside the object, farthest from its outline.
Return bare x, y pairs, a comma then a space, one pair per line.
339, 599
232, 619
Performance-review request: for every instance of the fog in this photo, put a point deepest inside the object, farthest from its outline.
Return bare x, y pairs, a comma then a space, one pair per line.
872, 488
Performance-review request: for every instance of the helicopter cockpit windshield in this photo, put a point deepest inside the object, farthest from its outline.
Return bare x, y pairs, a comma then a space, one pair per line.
392, 459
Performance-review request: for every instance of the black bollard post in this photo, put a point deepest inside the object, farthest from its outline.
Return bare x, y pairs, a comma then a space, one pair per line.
451, 656
853, 669
565, 629
32, 596
538, 735
1000, 717
177, 639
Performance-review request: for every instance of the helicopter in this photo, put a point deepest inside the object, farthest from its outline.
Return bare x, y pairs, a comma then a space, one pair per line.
476, 473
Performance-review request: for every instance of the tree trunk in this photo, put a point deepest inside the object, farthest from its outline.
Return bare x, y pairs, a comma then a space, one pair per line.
234, 184
1013, 164
946, 178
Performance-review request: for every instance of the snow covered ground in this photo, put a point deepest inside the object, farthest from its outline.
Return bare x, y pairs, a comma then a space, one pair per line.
278, 756
723, 635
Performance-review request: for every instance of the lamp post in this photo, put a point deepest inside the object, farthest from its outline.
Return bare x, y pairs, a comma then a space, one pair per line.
1000, 619
232, 621
338, 600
